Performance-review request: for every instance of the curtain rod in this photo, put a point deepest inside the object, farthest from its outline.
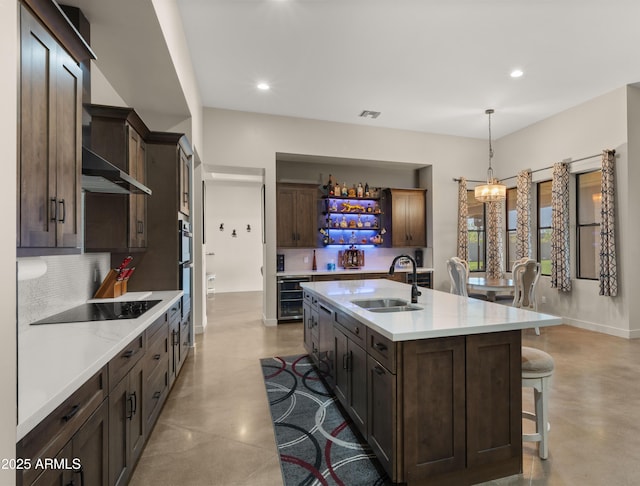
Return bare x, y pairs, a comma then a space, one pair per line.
457, 179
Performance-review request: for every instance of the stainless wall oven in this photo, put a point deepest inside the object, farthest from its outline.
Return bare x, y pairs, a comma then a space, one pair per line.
185, 263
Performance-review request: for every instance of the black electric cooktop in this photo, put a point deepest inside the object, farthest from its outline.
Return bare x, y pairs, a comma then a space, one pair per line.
102, 311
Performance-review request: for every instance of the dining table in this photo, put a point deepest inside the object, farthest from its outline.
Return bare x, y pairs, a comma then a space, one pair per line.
491, 286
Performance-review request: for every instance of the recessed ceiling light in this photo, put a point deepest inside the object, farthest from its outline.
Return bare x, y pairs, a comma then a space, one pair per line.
263, 87
517, 73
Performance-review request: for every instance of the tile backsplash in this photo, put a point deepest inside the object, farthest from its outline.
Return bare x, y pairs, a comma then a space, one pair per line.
69, 281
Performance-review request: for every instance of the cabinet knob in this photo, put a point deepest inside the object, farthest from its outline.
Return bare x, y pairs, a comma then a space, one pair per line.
357, 330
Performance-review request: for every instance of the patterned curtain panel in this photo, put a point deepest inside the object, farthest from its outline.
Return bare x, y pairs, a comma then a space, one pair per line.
495, 210
608, 269
560, 257
463, 237
523, 214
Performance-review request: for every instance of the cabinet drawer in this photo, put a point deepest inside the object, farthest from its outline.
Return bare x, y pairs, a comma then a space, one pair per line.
155, 393
50, 435
120, 365
158, 325
382, 349
355, 330
174, 313
157, 353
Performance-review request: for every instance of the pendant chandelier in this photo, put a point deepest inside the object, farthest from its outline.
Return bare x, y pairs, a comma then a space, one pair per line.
492, 190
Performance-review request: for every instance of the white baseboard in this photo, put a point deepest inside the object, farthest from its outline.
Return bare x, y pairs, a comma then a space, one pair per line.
612, 331
201, 328
269, 322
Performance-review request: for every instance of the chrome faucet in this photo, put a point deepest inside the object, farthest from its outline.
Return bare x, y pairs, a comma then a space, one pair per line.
414, 286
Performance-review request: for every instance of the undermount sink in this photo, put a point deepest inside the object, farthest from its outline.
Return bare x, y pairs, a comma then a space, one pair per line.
386, 305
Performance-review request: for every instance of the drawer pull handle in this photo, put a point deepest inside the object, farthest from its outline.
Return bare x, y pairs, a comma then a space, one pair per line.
70, 415
128, 354
380, 347
156, 357
378, 370
357, 330
156, 395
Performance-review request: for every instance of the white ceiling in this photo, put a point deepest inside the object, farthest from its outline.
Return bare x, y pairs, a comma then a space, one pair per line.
427, 65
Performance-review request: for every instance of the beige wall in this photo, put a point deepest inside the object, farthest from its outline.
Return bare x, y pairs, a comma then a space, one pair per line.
8, 134
581, 131
252, 140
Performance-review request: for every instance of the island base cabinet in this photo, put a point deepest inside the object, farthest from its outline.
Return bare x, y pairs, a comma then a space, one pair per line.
351, 378
381, 426
462, 409
434, 407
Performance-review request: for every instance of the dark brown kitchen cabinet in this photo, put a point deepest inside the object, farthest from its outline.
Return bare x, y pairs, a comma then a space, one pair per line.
185, 182
126, 425
118, 222
156, 370
407, 212
158, 268
351, 372
76, 428
296, 215
49, 172
382, 408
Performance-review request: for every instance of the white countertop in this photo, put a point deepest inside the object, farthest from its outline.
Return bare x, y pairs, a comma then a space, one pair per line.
442, 314
342, 271
54, 360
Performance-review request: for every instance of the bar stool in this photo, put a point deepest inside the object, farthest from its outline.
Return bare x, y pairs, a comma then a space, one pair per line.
537, 368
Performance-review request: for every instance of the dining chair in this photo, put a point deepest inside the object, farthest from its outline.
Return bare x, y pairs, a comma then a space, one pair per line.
458, 276
526, 275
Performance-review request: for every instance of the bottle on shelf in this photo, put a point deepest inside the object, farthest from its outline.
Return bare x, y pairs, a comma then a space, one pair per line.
360, 190
366, 190
345, 190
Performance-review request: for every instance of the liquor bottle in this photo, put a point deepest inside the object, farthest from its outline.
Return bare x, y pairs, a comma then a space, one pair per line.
366, 190
360, 190
314, 265
345, 190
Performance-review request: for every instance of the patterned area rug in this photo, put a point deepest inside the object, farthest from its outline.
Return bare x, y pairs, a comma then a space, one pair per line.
317, 443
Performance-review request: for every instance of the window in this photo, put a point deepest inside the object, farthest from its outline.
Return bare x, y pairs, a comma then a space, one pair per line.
476, 233
512, 218
544, 227
589, 203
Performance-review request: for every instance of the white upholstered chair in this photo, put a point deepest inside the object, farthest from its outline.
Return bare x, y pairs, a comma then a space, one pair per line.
458, 276
537, 368
526, 275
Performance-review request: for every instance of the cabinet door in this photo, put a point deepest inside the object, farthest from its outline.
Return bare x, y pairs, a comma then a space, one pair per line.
494, 426
68, 145
58, 476
37, 178
306, 323
306, 218
358, 386
399, 210
91, 446
381, 419
285, 219
341, 356
137, 202
416, 218
433, 407
126, 425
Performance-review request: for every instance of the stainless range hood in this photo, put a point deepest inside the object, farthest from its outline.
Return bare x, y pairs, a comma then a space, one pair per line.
98, 175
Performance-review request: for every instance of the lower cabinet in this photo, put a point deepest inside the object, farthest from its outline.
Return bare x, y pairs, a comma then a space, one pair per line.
97, 435
126, 425
434, 411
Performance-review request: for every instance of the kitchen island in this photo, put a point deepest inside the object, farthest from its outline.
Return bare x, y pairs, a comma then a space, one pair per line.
435, 390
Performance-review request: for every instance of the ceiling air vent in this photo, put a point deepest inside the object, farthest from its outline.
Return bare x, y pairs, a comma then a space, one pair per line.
370, 114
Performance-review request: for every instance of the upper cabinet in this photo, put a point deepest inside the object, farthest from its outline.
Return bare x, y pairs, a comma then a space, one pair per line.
407, 217
50, 160
118, 222
296, 215
185, 182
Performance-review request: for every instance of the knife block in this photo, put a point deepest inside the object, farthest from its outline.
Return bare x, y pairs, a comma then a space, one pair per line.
111, 287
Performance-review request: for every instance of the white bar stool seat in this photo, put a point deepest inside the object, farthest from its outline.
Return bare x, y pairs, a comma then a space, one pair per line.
537, 368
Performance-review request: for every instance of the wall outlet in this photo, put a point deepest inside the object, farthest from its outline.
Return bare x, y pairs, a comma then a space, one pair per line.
305, 259
543, 299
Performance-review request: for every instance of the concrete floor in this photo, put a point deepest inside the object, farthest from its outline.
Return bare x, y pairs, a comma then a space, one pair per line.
215, 428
